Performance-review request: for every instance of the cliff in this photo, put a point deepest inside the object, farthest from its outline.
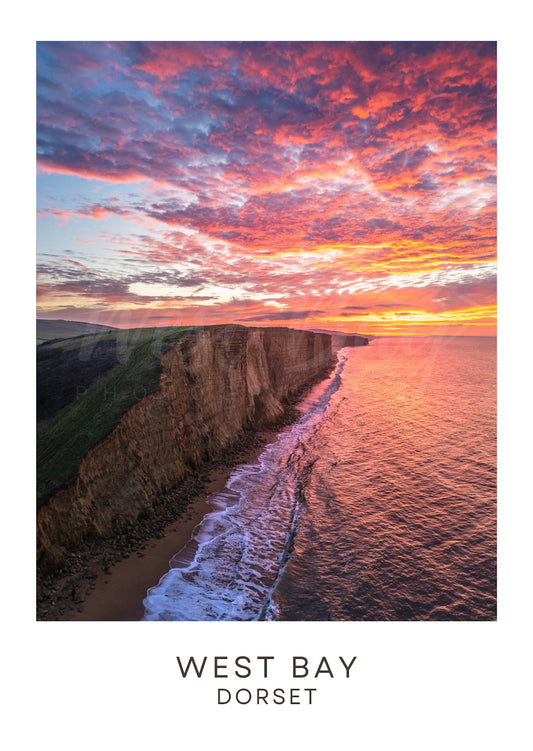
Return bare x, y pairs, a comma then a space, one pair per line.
340, 339
348, 340
215, 383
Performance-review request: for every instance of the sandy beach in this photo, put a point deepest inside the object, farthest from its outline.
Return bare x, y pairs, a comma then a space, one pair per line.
107, 579
117, 594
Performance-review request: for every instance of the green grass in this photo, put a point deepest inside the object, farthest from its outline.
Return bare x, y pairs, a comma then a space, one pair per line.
63, 440
48, 329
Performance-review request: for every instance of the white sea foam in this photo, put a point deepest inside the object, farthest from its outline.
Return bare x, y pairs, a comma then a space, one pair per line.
237, 554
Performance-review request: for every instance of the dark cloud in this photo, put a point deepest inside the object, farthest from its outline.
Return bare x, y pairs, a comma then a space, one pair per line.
71, 277
348, 310
288, 315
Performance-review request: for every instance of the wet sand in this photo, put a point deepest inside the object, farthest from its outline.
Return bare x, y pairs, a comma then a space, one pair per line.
118, 595
109, 582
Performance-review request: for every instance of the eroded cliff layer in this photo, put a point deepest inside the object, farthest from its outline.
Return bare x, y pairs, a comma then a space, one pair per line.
348, 340
215, 383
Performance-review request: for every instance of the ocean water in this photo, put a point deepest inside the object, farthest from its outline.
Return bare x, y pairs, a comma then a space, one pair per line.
379, 503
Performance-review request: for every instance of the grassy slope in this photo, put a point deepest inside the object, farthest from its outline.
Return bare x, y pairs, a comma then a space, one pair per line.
63, 440
49, 329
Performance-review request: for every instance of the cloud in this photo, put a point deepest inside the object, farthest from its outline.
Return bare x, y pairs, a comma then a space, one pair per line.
298, 168
288, 315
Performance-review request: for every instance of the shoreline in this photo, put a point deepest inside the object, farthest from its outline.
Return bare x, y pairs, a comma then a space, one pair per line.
119, 595
114, 591
107, 580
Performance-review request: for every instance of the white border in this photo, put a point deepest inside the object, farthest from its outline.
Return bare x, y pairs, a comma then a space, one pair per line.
417, 686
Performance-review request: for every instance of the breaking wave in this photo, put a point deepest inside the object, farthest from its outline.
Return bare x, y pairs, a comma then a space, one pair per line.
233, 563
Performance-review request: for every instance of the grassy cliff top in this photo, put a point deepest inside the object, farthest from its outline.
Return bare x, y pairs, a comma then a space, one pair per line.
85, 385
58, 329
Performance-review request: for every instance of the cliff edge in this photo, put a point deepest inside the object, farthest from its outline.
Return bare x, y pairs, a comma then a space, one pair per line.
215, 383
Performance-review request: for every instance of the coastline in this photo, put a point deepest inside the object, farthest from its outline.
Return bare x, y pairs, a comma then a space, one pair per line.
119, 595
108, 580
114, 591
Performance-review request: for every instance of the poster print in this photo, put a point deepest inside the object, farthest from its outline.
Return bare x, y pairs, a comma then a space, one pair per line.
288, 244
195, 200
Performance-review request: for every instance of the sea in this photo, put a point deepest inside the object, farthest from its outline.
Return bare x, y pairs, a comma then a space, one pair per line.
377, 504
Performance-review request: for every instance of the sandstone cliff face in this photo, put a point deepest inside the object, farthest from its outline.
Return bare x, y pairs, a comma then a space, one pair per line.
215, 382
348, 340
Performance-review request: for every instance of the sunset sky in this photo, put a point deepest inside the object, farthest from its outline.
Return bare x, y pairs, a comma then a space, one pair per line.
347, 186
